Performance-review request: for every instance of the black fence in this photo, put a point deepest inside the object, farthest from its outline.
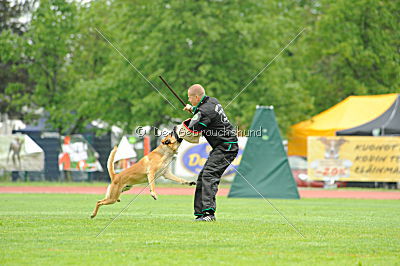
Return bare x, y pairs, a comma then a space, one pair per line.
51, 144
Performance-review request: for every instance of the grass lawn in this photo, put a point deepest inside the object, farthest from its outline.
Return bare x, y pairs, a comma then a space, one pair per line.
43, 229
223, 184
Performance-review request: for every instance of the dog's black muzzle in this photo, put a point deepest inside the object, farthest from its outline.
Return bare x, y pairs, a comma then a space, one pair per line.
173, 133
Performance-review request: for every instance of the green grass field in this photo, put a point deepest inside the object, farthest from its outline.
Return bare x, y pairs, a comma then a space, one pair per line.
43, 229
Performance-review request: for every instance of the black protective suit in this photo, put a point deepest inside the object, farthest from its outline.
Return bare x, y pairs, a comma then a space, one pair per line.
210, 119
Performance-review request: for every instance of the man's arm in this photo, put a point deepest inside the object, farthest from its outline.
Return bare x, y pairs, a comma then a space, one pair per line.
199, 121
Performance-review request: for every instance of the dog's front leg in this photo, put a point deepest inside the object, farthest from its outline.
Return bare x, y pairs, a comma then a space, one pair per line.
169, 175
151, 178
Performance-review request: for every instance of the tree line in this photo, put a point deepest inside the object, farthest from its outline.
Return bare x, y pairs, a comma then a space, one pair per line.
53, 58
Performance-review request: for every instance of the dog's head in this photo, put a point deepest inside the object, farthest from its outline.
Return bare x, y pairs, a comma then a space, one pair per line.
172, 140
332, 147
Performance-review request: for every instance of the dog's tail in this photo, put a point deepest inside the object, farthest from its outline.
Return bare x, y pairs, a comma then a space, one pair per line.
110, 163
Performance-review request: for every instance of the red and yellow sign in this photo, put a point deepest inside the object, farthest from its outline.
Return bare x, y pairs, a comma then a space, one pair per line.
353, 158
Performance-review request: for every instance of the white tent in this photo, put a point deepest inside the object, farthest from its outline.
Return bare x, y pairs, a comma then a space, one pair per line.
29, 157
31, 146
125, 150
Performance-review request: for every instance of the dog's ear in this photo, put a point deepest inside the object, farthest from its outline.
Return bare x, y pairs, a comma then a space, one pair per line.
324, 140
341, 141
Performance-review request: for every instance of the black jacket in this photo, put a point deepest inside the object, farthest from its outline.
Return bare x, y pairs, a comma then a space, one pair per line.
210, 119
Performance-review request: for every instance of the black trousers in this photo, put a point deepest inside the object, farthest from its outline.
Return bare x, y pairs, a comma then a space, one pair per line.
209, 177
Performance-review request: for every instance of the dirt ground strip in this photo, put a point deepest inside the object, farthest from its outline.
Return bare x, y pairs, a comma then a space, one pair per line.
304, 193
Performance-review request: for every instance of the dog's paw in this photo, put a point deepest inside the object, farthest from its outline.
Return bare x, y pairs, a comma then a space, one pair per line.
154, 195
92, 216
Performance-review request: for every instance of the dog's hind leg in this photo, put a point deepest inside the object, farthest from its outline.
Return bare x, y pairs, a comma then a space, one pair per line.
109, 192
112, 196
96, 209
100, 203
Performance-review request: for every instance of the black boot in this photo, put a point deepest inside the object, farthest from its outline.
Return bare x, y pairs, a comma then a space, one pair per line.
207, 217
198, 218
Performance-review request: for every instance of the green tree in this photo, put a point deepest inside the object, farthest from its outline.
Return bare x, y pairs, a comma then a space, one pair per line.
15, 86
348, 47
353, 50
219, 45
48, 46
191, 43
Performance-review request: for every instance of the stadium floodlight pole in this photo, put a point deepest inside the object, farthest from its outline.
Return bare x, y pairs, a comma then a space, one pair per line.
173, 92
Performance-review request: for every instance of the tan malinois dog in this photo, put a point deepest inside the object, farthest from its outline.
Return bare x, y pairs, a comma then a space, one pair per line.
149, 168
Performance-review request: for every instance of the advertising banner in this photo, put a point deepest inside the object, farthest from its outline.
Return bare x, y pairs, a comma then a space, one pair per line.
20, 153
192, 157
354, 158
78, 155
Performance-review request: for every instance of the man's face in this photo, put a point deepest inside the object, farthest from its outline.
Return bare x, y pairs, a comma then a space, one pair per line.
193, 99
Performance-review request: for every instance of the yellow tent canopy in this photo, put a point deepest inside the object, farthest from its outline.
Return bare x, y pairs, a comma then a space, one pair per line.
351, 112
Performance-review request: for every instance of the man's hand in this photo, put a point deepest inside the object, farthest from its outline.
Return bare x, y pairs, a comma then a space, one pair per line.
188, 108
